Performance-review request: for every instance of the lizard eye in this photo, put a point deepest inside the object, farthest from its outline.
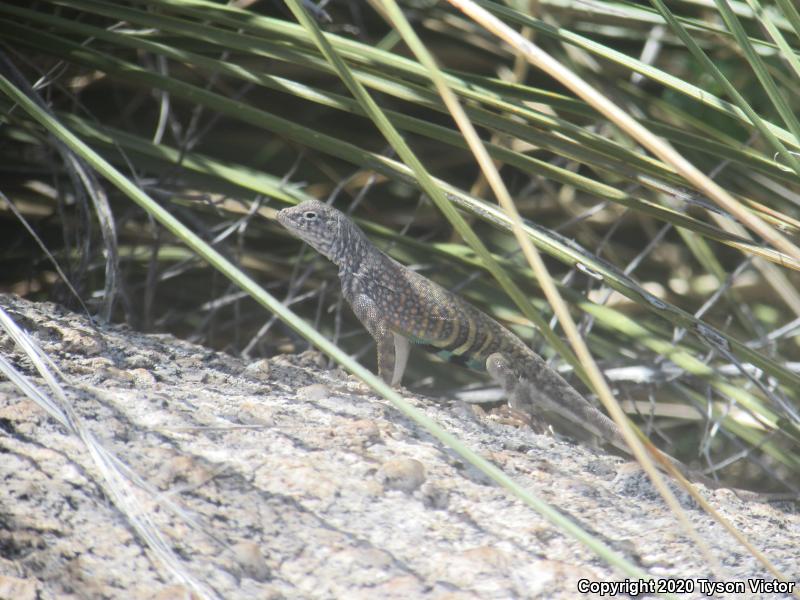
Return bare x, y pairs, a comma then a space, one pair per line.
310, 215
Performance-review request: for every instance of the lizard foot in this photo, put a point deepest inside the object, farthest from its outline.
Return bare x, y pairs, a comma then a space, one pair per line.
518, 403
498, 367
562, 408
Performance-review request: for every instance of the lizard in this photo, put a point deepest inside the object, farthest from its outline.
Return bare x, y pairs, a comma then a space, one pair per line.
399, 306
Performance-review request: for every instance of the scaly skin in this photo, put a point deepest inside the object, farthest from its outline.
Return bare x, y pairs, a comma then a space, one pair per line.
394, 302
398, 306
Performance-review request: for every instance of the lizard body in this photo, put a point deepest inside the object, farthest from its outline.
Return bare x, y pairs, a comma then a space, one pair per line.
398, 306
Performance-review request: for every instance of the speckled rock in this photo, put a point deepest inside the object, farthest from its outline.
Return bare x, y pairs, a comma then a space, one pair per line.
289, 481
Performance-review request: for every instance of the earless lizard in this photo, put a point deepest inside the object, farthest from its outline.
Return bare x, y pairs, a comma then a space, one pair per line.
399, 306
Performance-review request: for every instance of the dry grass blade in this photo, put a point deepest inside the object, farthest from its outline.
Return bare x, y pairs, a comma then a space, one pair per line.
115, 476
568, 78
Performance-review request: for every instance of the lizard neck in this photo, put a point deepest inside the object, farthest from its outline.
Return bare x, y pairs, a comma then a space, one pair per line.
350, 248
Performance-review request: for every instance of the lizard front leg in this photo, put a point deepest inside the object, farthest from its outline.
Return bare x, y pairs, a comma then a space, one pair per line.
392, 349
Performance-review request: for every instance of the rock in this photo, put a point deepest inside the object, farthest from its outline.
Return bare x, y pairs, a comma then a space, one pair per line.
252, 561
261, 490
404, 474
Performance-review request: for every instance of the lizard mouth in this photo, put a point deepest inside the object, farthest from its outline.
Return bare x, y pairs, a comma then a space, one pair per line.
285, 218
282, 218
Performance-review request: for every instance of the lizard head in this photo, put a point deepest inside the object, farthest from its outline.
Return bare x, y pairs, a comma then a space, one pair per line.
317, 224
